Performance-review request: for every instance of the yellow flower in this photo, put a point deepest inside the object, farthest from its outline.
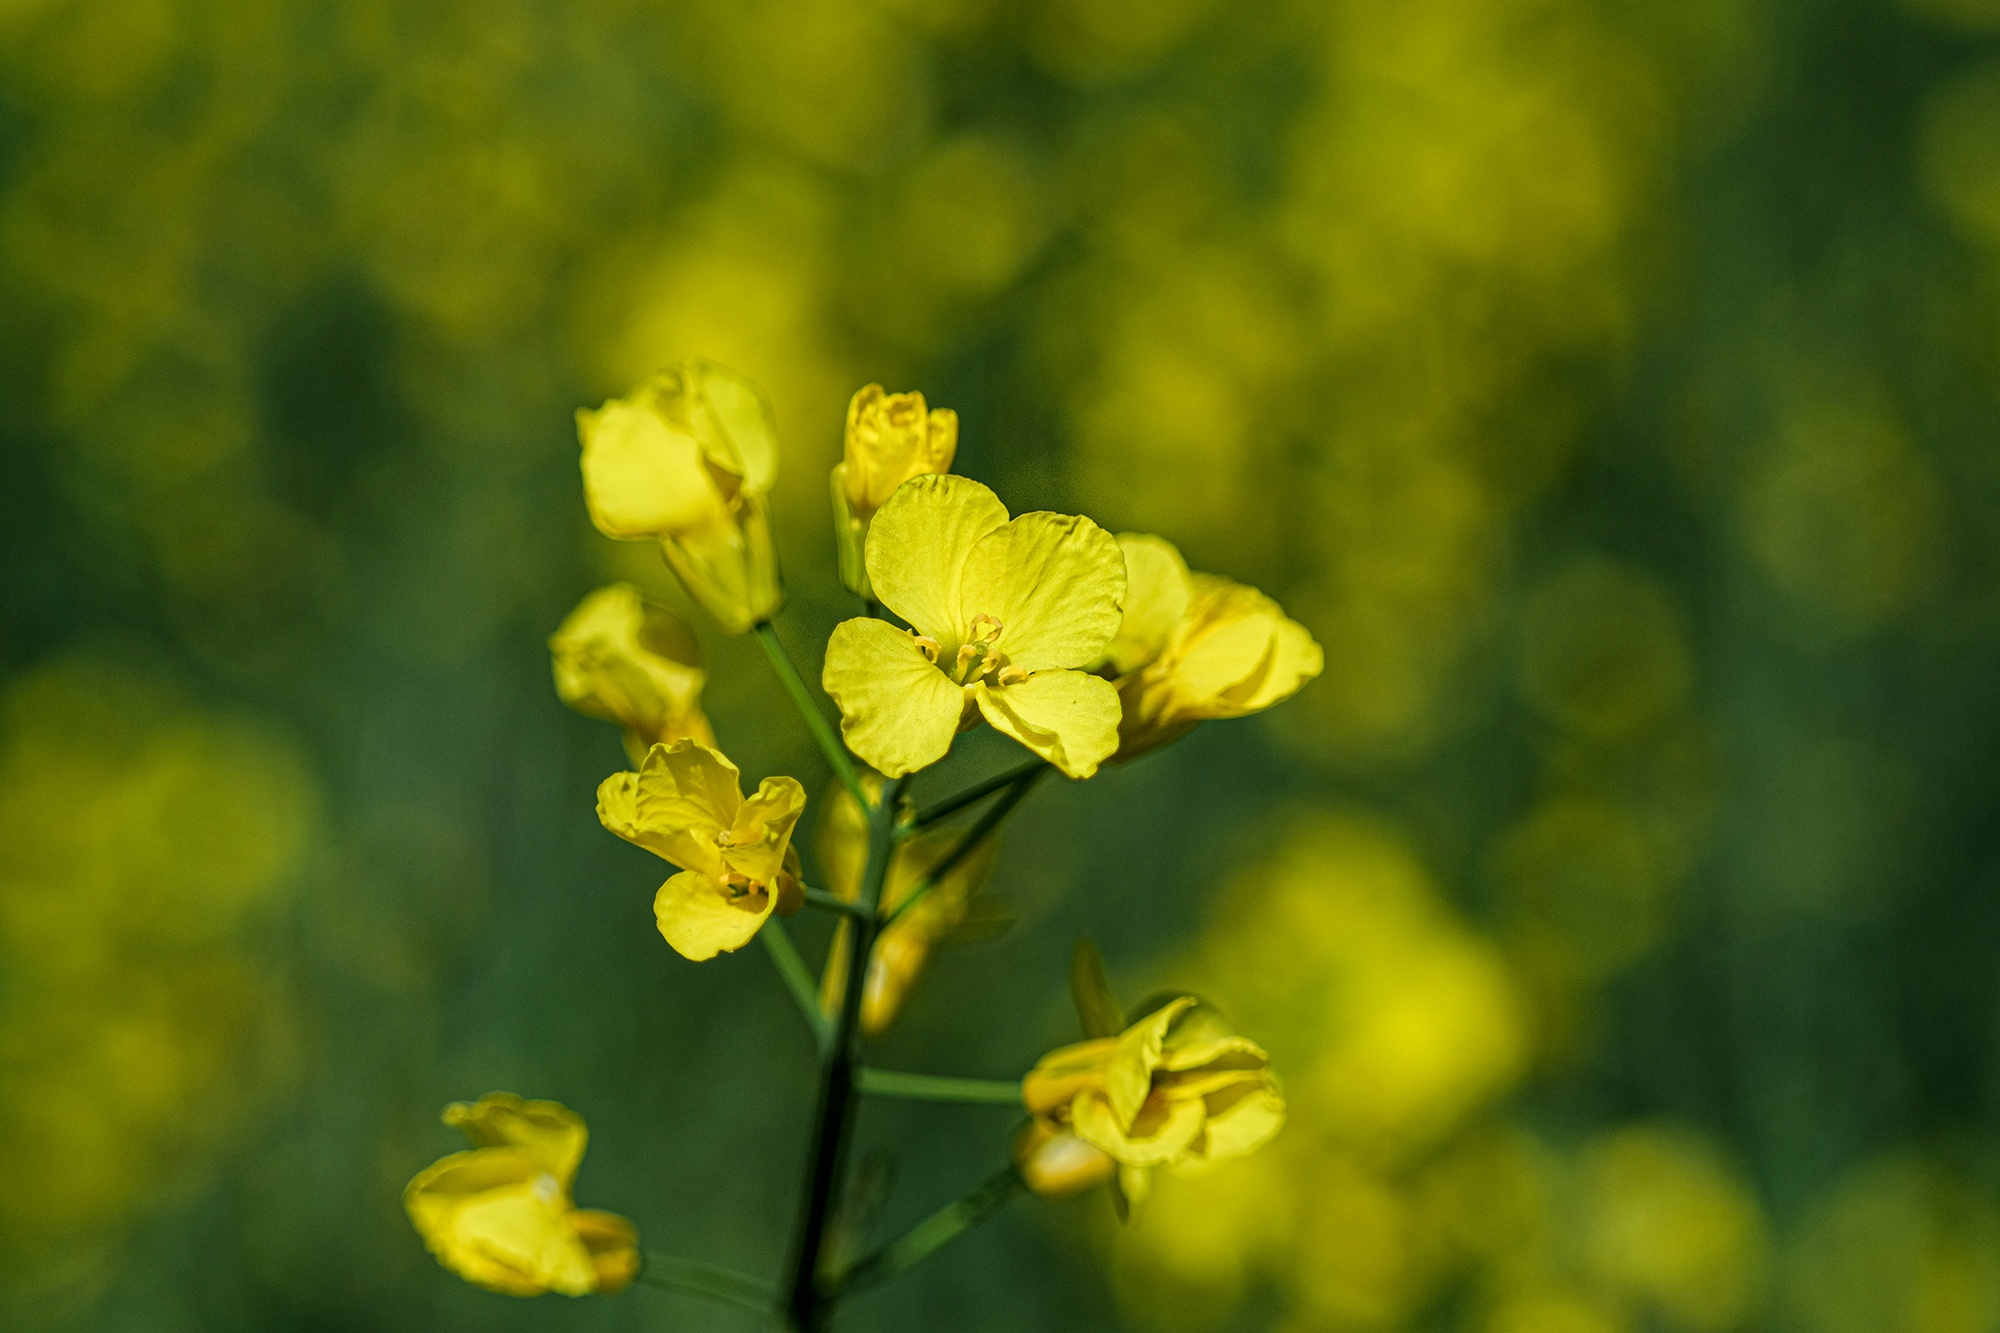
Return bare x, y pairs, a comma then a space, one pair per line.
737, 861
1004, 612
890, 438
500, 1215
904, 947
687, 457
1176, 1089
618, 658
1195, 646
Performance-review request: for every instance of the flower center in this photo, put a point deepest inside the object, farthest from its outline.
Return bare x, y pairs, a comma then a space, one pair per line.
980, 657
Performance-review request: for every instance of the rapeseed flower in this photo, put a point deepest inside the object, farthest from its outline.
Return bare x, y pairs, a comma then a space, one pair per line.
687, 458
904, 946
1003, 612
1196, 646
1176, 1089
500, 1215
891, 437
621, 659
737, 862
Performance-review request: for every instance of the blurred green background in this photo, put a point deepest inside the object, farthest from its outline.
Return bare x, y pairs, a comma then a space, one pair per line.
1610, 386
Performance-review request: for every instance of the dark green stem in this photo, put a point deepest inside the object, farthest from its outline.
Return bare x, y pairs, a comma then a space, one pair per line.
833, 902
829, 742
708, 1281
932, 1234
797, 977
978, 791
966, 845
939, 1087
807, 1305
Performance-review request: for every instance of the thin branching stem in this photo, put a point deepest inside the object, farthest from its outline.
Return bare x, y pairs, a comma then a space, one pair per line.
932, 1234
797, 977
833, 902
978, 791
939, 1087
809, 709
710, 1282
968, 844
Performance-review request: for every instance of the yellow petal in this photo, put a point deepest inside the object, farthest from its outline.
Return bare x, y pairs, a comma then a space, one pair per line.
618, 658
1295, 659
549, 1131
891, 438
1224, 1052
686, 795
1244, 1123
917, 549
1054, 582
1062, 1073
762, 830
1055, 1163
735, 421
640, 477
1067, 717
1160, 1134
1156, 597
1128, 1074
897, 711
613, 1245
526, 1228
700, 919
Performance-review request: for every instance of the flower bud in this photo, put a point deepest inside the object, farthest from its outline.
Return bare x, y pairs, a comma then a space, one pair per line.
687, 458
890, 438
618, 658
1055, 1163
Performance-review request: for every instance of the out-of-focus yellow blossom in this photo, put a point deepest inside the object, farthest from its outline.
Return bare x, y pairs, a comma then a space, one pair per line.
1176, 1089
891, 437
618, 658
1004, 612
738, 865
904, 947
500, 1215
1196, 646
688, 457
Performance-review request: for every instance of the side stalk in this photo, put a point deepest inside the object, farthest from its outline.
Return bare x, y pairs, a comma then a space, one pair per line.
807, 1305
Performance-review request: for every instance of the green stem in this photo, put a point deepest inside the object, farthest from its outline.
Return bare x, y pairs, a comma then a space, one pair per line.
934, 1232
808, 1304
797, 977
978, 791
708, 1281
822, 730
833, 902
966, 845
939, 1087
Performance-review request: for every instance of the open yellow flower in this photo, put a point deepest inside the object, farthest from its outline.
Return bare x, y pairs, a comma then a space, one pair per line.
890, 438
1196, 646
621, 659
687, 458
1176, 1089
903, 947
1004, 612
737, 862
500, 1215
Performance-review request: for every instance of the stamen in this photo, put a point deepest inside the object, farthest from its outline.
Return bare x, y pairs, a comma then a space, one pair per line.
1010, 675
926, 645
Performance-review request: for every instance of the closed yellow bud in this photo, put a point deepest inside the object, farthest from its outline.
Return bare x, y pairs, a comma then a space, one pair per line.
1055, 1163
891, 437
621, 659
687, 458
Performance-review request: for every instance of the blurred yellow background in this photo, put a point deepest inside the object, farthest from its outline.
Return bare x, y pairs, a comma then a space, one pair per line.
1611, 388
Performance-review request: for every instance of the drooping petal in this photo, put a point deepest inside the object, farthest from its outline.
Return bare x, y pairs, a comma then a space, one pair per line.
1067, 717
613, 1245
700, 919
897, 710
1160, 1134
641, 478
1062, 1073
1221, 1052
762, 831
1054, 581
1128, 1074
1245, 1122
686, 795
525, 1228
1295, 658
552, 1133
917, 549
1156, 597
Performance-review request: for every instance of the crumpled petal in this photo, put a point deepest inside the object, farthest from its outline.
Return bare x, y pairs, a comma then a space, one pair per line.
1157, 589
1069, 718
699, 917
762, 829
525, 1229
1061, 1074
613, 1245
1054, 581
1250, 1119
898, 712
917, 549
550, 1132
1159, 1134
681, 797
1128, 1075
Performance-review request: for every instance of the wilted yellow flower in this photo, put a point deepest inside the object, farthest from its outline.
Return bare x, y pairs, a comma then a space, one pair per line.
1004, 612
737, 861
1176, 1089
890, 438
904, 946
500, 1215
1196, 646
618, 658
687, 457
